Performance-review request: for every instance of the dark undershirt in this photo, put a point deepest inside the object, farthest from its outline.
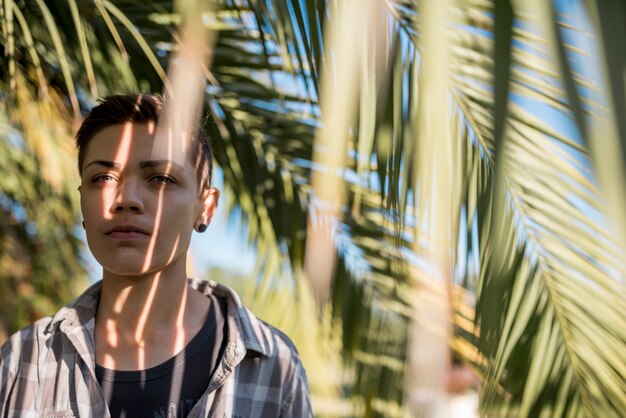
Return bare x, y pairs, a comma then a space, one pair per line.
172, 388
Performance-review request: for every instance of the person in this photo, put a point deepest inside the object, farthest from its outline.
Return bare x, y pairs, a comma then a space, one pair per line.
146, 341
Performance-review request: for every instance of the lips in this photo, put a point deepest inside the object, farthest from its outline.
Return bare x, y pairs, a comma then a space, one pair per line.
127, 232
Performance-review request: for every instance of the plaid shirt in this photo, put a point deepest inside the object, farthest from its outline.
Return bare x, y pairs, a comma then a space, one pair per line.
47, 369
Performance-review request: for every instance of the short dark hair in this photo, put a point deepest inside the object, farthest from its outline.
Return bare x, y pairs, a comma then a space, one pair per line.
139, 108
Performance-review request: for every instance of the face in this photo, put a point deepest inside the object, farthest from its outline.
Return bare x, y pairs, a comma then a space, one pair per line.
140, 199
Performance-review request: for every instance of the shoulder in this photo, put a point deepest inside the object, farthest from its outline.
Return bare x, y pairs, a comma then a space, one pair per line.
265, 341
20, 354
272, 341
247, 331
23, 348
246, 328
266, 362
276, 370
273, 367
23, 340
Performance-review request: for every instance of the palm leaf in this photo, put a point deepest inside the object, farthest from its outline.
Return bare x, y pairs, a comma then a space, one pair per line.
555, 247
547, 276
40, 248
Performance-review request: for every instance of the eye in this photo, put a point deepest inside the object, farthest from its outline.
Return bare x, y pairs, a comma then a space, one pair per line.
162, 179
103, 178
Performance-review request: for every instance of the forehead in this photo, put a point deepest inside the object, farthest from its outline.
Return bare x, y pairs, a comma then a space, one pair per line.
131, 142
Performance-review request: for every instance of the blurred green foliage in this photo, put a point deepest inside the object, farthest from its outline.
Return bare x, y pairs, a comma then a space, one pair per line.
548, 278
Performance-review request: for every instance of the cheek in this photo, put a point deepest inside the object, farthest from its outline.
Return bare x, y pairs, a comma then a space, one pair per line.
178, 219
94, 204
176, 225
175, 230
85, 205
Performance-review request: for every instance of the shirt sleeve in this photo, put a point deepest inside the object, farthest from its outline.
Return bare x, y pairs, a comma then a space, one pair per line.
7, 375
298, 404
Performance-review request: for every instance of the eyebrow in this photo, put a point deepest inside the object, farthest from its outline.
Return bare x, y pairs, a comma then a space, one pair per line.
142, 164
109, 164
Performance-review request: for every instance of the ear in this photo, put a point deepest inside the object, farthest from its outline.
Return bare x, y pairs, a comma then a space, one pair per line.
208, 205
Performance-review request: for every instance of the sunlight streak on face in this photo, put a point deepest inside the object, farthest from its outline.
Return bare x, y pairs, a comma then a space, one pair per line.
170, 144
155, 234
174, 250
121, 157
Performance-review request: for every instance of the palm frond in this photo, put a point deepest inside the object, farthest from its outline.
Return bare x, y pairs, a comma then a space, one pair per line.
40, 247
546, 270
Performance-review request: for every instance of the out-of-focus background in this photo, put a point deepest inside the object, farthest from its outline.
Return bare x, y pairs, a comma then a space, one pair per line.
427, 197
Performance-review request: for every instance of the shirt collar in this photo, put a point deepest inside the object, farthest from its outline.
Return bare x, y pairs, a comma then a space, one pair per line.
78, 312
244, 329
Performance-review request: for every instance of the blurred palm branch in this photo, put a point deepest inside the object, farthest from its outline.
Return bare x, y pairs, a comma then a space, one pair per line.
534, 250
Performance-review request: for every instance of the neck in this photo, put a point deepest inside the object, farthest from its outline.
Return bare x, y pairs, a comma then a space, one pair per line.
136, 312
144, 301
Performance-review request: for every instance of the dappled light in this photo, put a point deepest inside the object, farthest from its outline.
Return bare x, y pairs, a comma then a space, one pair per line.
432, 194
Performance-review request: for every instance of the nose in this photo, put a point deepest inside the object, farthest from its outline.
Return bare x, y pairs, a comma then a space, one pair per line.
128, 198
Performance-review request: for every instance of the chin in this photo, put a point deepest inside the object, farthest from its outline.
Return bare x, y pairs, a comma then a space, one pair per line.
129, 271
125, 266
132, 261
125, 272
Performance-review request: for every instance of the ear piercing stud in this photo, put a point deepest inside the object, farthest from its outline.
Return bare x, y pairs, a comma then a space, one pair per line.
202, 228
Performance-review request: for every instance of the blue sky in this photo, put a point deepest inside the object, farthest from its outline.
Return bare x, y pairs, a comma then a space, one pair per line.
224, 244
